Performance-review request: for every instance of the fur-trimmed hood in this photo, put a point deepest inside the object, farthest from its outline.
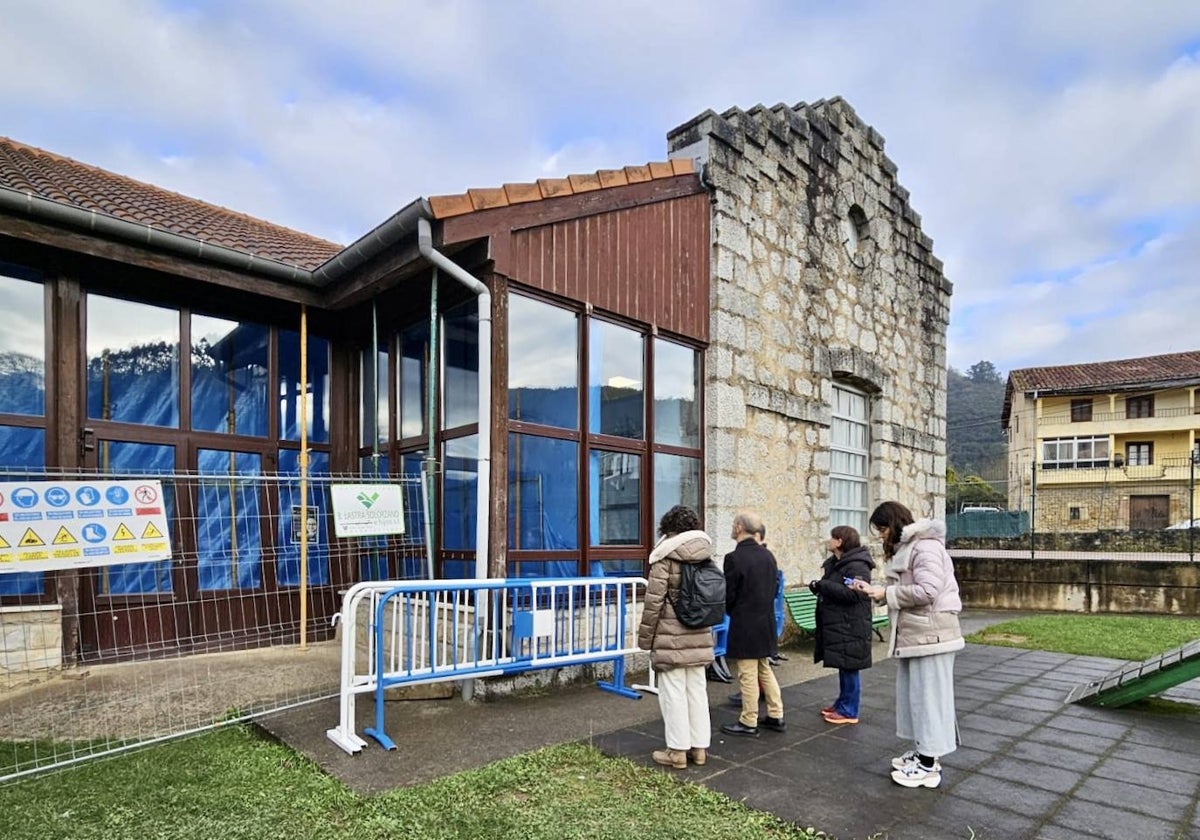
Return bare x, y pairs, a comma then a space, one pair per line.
688, 547
924, 529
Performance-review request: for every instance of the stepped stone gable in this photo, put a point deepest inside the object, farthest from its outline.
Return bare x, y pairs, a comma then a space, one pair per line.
821, 274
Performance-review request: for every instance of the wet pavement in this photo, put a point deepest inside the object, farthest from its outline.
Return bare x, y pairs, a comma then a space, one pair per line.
1030, 766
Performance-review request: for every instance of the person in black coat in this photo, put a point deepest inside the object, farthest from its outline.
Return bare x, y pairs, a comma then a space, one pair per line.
750, 581
843, 636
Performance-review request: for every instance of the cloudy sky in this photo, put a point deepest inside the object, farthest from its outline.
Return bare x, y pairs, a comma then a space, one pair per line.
1052, 147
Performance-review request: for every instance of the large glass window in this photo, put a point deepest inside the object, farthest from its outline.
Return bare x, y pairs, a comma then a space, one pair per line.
22, 348
543, 493
132, 362
287, 555
849, 459
1075, 453
125, 458
20, 449
616, 493
615, 381
676, 482
460, 333
414, 379
228, 530
460, 488
676, 395
229, 376
543, 363
290, 388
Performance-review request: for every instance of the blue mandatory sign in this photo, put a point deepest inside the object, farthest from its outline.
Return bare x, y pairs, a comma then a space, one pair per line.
57, 497
24, 497
94, 533
116, 495
87, 495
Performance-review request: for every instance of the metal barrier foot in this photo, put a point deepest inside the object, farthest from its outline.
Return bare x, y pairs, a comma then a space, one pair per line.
380, 736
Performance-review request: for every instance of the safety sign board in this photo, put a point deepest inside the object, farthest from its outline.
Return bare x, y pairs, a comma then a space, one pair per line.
48, 525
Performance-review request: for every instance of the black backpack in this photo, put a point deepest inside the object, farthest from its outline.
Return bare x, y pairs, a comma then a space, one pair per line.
700, 601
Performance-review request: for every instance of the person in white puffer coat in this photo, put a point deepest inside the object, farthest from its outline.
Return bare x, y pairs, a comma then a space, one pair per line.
923, 605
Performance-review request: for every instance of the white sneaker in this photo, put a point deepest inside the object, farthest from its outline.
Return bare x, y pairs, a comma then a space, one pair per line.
916, 775
902, 761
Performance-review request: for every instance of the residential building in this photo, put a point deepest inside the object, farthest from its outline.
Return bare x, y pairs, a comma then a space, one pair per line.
758, 321
1107, 445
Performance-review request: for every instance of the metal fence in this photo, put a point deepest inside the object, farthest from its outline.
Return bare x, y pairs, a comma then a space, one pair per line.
100, 660
1146, 511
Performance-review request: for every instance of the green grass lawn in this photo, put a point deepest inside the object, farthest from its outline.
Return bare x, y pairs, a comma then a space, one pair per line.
1133, 637
233, 784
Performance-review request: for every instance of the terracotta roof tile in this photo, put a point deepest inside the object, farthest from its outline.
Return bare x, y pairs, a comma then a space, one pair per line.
446, 206
1147, 370
65, 181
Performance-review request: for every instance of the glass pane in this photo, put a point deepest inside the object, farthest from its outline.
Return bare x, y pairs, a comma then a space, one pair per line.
676, 394
21, 449
543, 363
460, 366
412, 565
22, 347
544, 568
615, 364
1100, 447
373, 465
1049, 451
631, 567
228, 535
616, 494
289, 387
125, 458
133, 362
460, 486
676, 482
543, 493
414, 379
374, 413
229, 376
287, 557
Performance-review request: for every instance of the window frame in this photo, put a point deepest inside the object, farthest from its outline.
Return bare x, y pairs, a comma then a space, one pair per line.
1139, 407
1081, 410
863, 480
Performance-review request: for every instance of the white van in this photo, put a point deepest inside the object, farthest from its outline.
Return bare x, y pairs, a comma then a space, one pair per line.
970, 508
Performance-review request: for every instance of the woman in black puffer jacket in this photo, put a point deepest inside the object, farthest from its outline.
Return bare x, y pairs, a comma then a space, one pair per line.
843, 637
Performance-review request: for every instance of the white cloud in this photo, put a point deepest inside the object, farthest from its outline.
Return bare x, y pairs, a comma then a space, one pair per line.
1040, 141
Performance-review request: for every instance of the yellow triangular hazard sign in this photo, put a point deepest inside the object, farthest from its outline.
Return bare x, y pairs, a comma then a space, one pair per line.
123, 533
151, 533
4, 543
30, 539
63, 537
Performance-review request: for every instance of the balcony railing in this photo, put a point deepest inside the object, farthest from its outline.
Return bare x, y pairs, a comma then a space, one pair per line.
1112, 416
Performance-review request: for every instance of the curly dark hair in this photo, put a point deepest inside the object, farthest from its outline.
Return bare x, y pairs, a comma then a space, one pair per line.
677, 520
893, 516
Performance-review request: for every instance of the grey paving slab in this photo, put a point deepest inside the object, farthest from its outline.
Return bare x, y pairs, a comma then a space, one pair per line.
1096, 820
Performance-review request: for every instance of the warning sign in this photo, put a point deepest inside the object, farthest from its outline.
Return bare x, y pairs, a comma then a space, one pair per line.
150, 532
86, 523
123, 533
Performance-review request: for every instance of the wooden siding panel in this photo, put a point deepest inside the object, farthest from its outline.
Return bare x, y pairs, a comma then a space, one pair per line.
648, 263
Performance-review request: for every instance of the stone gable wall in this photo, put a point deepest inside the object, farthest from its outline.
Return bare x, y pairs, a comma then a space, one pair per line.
791, 312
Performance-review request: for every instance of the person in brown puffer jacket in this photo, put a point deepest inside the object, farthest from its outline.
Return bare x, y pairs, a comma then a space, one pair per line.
678, 654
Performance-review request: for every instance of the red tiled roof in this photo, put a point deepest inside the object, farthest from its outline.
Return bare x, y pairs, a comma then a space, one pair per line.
1148, 370
445, 206
66, 181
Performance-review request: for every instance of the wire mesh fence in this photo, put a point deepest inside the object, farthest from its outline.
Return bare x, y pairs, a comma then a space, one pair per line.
1133, 511
239, 621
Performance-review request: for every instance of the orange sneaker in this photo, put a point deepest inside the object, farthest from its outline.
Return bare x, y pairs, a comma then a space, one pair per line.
835, 718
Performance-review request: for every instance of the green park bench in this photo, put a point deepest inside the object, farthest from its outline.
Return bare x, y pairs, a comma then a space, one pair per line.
802, 607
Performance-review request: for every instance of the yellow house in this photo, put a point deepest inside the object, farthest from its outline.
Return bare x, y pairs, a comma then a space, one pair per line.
1108, 445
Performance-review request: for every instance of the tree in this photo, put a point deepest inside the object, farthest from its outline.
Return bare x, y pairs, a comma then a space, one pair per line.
984, 373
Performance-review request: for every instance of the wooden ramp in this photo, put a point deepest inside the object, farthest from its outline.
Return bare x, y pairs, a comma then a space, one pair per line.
1139, 680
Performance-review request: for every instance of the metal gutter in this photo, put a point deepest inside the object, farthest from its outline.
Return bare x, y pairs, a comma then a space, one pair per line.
400, 225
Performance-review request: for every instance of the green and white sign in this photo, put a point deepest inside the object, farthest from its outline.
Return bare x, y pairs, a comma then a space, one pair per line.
367, 510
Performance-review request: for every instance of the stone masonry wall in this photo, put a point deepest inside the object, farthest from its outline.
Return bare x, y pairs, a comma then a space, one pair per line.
794, 309
30, 641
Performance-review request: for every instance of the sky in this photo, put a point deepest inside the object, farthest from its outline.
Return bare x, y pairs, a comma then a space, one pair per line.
1051, 147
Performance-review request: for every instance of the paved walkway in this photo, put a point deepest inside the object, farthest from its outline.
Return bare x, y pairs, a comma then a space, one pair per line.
1029, 768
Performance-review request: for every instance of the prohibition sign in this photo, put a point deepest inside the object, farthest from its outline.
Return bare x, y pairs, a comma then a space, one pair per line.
145, 494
